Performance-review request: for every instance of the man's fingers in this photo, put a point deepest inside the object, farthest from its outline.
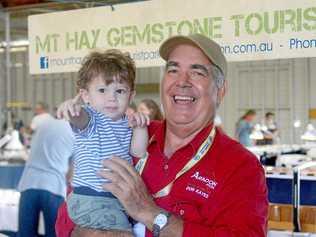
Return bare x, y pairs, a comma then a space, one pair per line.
121, 168
118, 186
114, 188
125, 164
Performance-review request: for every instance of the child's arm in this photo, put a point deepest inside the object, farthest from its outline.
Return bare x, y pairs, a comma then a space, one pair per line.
139, 123
72, 111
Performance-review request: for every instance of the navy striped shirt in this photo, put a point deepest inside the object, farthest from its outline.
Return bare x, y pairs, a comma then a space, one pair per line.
101, 139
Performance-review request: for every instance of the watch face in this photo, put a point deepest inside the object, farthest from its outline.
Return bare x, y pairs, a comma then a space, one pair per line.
161, 220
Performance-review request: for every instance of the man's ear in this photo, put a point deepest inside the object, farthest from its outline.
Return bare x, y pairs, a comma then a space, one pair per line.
221, 93
84, 95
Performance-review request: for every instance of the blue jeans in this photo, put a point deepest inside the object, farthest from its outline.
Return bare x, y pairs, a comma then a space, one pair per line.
32, 201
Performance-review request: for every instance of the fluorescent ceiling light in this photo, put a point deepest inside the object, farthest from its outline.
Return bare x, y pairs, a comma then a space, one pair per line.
16, 43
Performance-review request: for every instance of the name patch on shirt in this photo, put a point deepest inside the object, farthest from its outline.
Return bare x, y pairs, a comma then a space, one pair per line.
191, 188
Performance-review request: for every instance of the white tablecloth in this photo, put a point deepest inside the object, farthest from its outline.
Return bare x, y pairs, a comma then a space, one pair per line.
9, 208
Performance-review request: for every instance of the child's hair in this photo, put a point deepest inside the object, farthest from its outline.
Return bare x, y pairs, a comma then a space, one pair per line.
112, 65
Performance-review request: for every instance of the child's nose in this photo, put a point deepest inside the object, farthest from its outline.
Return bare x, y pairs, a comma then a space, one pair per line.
112, 96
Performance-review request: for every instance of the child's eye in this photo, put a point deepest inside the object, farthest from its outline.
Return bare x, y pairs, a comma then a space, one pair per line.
101, 90
121, 91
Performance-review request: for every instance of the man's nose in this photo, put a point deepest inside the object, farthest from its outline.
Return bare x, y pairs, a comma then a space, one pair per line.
184, 79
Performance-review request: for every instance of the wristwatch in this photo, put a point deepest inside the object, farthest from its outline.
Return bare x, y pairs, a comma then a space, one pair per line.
160, 221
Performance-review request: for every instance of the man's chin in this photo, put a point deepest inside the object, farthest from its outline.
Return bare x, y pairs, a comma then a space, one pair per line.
182, 121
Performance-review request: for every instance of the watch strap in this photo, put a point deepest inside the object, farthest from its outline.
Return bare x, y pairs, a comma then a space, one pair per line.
156, 230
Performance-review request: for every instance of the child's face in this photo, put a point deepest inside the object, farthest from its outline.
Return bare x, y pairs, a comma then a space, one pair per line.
111, 100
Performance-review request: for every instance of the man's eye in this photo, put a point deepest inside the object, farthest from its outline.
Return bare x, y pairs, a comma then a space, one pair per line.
197, 73
101, 90
172, 70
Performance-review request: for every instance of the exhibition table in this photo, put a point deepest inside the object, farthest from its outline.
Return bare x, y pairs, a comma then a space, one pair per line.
10, 175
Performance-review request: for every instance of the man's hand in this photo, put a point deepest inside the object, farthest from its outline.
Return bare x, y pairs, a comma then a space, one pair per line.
70, 108
85, 232
126, 184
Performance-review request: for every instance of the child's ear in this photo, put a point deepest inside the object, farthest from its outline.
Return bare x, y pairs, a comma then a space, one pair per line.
84, 95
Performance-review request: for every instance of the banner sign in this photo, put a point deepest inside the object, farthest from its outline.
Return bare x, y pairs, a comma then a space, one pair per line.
246, 30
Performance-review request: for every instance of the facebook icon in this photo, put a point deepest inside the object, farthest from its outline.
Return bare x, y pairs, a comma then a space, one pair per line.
43, 62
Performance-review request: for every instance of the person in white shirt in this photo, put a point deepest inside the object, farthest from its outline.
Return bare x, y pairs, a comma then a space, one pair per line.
43, 182
41, 115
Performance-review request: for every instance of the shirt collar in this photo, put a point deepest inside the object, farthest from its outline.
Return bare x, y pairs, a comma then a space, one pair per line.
200, 137
159, 137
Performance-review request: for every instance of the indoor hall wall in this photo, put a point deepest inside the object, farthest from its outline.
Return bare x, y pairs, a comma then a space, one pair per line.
147, 87
29, 89
312, 86
55, 88
2, 89
281, 86
286, 87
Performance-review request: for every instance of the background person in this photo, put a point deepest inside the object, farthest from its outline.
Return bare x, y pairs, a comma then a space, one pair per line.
270, 129
150, 108
41, 115
43, 182
17, 125
244, 128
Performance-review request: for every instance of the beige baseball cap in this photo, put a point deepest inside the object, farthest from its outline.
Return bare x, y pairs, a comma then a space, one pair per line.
210, 48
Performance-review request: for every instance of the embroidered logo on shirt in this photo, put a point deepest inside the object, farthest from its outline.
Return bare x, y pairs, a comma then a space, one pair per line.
209, 182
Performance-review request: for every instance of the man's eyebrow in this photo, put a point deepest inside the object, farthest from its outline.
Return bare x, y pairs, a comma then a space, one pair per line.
200, 67
172, 64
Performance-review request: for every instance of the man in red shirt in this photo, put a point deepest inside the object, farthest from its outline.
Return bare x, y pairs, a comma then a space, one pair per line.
196, 181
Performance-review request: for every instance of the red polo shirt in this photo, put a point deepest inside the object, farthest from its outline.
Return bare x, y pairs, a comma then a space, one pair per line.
223, 195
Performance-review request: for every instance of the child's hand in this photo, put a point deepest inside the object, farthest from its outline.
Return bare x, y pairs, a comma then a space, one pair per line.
138, 120
70, 108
